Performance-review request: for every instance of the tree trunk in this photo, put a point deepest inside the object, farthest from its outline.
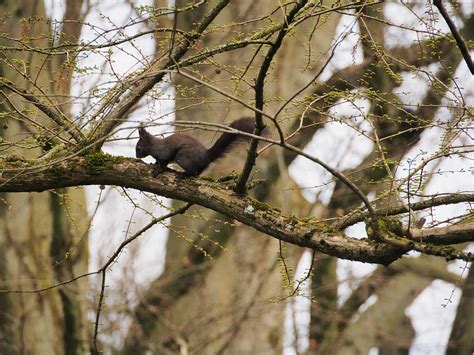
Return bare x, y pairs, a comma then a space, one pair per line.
43, 237
461, 340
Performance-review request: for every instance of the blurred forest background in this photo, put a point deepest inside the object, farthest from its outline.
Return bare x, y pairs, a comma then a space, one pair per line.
381, 91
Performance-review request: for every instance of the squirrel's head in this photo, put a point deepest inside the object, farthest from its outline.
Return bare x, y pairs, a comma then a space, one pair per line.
142, 148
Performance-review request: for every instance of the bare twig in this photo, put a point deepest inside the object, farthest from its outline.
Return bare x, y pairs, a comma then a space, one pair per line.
68, 126
457, 36
113, 118
103, 269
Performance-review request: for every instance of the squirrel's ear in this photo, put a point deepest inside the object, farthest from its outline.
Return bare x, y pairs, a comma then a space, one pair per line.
142, 132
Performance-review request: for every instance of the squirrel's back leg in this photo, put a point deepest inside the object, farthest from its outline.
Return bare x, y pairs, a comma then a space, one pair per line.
192, 164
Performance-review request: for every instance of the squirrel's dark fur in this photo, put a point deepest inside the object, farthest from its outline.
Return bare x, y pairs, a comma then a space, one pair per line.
186, 150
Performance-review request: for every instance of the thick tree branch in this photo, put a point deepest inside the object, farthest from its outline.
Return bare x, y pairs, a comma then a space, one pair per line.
459, 233
100, 169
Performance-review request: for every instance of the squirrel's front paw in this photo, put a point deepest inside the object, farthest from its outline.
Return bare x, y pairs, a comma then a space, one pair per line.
157, 170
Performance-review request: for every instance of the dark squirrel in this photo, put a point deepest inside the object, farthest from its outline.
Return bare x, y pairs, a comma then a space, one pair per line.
187, 151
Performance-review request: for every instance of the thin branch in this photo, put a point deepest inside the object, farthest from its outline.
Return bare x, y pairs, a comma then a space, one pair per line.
353, 218
33, 122
220, 91
447, 252
116, 254
457, 36
282, 257
99, 309
241, 187
80, 47
112, 258
68, 126
112, 119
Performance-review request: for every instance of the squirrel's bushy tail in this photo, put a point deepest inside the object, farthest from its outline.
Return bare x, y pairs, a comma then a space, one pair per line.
225, 142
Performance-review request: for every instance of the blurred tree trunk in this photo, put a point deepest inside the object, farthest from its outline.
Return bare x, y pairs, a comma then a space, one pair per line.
43, 236
461, 340
221, 305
